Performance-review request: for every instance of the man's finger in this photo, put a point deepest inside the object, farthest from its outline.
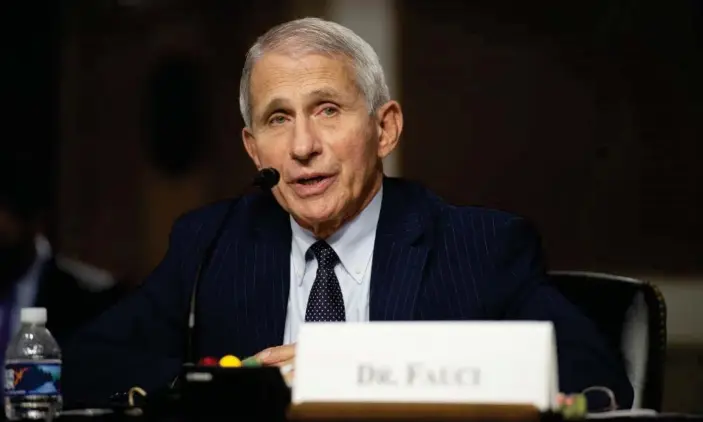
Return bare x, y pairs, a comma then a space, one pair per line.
279, 354
276, 355
256, 361
289, 362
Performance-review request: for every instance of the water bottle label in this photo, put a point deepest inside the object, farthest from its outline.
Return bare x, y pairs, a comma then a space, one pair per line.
32, 379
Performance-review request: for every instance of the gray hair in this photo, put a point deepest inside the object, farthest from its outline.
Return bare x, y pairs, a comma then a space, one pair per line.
318, 36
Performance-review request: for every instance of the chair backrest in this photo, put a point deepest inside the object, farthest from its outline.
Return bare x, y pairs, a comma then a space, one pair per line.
631, 315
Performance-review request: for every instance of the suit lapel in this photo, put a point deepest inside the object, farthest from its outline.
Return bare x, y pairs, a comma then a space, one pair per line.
403, 239
270, 254
402, 244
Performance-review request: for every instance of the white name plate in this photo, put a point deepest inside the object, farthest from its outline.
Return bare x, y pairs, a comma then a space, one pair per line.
427, 362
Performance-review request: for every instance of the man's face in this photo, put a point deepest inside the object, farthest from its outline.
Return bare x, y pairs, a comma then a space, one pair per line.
311, 122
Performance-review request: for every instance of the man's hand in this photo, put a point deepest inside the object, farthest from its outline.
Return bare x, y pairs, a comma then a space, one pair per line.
281, 356
276, 356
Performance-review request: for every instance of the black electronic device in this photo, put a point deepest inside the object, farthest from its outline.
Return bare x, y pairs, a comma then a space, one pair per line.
211, 391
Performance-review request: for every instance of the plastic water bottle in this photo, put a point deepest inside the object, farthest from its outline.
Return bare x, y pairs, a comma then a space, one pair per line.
33, 370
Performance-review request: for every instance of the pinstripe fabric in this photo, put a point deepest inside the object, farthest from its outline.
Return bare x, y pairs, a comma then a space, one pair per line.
432, 261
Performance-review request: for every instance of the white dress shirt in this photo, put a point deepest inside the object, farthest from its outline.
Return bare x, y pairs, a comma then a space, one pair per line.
353, 243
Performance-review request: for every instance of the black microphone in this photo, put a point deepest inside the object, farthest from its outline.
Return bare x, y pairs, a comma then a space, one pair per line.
265, 179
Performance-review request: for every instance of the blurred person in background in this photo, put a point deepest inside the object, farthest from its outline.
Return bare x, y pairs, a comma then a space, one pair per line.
31, 273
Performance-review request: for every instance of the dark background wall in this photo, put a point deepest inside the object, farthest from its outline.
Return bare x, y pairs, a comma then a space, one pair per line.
29, 96
584, 116
150, 121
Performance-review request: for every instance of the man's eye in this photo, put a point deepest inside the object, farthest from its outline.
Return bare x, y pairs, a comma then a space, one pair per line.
277, 120
329, 111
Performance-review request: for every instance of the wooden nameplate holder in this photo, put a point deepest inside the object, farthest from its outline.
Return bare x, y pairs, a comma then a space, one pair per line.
412, 412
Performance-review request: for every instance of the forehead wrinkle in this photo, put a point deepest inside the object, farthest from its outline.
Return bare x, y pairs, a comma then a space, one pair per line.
321, 85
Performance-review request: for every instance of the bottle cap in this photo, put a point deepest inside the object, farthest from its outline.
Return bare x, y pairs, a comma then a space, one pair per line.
33, 315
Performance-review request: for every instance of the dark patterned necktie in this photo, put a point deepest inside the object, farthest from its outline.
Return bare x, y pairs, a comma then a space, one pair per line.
326, 302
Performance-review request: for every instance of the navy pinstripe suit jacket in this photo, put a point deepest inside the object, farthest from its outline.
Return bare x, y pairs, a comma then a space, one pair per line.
431, 261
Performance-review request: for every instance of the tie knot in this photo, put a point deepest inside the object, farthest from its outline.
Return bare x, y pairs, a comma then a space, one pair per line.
325, 255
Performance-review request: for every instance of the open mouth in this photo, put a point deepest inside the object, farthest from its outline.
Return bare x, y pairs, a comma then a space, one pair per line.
310, 181
313, 185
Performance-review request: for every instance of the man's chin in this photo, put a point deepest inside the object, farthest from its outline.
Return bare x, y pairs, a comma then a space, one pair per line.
313, 219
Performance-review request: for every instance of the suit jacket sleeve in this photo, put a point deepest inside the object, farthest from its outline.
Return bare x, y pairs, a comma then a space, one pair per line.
139, 341
584, 357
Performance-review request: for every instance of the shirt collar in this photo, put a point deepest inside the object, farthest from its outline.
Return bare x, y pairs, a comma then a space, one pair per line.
353, 242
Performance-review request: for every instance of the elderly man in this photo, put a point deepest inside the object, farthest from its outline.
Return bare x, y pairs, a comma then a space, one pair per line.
335, 240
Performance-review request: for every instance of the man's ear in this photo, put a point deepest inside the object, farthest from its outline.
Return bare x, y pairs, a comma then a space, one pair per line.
250, 145
390, 125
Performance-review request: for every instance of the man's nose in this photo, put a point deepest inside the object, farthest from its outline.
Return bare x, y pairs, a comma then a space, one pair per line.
305, 144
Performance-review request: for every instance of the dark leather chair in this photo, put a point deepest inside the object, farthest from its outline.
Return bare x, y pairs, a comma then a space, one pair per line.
631, 314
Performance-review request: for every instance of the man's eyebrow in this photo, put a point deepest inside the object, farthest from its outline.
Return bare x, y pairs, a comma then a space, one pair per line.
278, 103
324, 93
273, 105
